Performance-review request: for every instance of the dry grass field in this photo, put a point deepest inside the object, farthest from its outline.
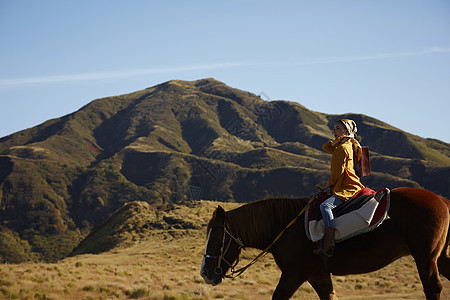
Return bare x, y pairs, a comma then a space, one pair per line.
165, 265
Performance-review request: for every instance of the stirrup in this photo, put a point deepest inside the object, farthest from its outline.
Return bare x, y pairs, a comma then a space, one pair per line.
329, 252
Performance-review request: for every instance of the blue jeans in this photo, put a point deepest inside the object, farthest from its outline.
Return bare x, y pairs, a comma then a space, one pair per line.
326, 207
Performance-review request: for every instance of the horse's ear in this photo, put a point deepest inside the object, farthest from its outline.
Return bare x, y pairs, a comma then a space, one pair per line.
219, 214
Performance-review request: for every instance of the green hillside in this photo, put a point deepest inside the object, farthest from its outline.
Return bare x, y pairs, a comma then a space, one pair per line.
181, 141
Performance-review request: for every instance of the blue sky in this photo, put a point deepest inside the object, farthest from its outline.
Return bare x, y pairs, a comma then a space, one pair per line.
386, 59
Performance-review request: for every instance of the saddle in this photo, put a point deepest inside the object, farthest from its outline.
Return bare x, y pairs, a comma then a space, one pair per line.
362, 213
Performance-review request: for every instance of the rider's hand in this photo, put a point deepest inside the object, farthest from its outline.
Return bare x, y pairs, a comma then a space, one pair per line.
321, 187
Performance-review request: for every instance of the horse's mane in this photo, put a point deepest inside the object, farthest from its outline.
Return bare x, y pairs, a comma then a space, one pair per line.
259, 222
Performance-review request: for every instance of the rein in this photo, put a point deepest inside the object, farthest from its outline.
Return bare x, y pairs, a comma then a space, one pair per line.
236, 273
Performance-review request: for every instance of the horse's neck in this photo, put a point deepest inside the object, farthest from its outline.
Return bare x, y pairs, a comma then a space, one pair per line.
257, 224
246, 229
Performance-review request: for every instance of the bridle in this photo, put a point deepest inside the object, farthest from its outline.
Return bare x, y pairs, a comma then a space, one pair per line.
223, 251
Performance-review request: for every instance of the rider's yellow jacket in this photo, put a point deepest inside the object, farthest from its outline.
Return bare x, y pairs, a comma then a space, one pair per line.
344, 182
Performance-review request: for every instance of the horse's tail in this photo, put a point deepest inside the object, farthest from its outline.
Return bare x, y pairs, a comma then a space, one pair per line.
444, 259
447, 242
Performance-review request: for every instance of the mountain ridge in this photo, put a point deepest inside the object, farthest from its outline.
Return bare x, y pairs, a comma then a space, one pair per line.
183, 140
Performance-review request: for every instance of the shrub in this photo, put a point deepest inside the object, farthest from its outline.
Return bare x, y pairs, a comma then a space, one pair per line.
89, 288
139, 293
79, 264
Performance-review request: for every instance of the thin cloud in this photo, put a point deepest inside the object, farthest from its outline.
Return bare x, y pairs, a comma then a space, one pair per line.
378, 56
113, 74
153, 71
432, 50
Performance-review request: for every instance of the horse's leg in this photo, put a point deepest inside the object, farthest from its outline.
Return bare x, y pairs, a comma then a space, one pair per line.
426, 254
288, 284
444, 263
428, 272
324, 288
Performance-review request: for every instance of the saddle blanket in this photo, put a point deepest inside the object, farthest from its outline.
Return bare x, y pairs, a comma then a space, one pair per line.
362, 213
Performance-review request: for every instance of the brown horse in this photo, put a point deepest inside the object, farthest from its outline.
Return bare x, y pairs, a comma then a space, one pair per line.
418, 226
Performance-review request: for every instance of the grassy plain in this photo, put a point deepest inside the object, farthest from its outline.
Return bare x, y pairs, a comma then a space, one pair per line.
165, 265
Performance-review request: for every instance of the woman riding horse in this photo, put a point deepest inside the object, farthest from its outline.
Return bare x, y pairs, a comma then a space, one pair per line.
343, 183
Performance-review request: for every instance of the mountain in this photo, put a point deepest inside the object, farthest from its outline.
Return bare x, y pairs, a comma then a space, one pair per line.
180, 141
136, 221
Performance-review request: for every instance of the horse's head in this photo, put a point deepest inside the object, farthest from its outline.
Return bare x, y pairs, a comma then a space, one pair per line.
222, 249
